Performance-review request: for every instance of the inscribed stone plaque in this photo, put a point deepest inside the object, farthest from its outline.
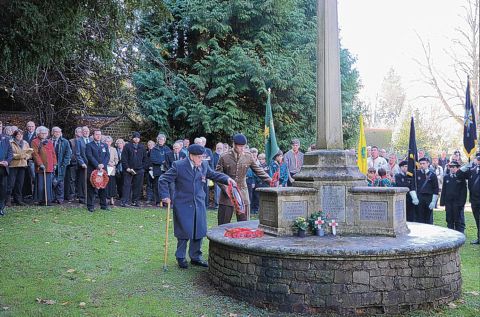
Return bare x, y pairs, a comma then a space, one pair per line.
268, 211
373, 211
333, 202
294, 209
399, 209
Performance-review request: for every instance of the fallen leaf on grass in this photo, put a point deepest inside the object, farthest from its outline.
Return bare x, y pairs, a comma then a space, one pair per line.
46, 242
116, 241
70, 270
45, 301
140, 227
232, 315
452, 305
65, 303
474, 293
5, 307
35, 220
82, 304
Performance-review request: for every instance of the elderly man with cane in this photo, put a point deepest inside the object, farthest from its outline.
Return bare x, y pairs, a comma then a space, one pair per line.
45, 161
6, 156
189, 210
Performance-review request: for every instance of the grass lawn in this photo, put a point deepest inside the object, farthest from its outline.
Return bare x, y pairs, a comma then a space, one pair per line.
62, 261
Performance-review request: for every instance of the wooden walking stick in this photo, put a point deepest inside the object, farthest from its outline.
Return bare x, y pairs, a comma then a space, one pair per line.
45, 185
165, 254
85, 188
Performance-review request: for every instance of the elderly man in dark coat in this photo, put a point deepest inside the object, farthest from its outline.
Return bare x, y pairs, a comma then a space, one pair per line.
189, 210
64, 153
6, 156
235, 163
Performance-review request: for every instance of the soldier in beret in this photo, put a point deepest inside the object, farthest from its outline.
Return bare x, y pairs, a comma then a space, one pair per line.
189, 210
402, 180
427, 190
235, 163
471, 172
454, 196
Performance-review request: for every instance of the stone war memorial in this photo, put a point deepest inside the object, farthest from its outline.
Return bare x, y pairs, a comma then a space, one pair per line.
376, 264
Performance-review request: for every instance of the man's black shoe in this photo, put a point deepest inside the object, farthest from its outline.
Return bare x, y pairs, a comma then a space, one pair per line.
135, 204
475, 242
106, 208
90, 209
182, 264
199, 263
122, 204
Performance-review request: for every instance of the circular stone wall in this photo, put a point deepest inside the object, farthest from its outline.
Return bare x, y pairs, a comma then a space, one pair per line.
342, 275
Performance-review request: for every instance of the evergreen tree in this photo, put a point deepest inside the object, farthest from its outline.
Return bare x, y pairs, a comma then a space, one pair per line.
206, 71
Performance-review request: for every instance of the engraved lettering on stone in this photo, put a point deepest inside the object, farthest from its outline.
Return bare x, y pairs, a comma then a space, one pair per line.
294, 209
333, 202
268, 211
373, 211
399, 209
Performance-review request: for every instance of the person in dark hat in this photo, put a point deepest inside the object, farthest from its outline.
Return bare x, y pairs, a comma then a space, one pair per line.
235, 163
402, 180
427, 191
189, 210
471, 172
454, 197
134, 162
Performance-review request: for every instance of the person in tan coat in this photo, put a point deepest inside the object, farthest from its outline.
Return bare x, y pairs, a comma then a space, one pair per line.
235, 163
21, 153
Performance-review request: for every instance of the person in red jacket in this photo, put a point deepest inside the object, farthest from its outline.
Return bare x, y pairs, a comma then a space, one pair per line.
45, 164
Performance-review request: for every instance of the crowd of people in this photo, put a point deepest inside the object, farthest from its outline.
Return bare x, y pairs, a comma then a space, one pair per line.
45, 168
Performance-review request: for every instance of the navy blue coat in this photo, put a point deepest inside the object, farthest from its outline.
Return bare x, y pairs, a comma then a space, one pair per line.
189, 212
80, 152
6, 152
171, 158
158, 157
97, 155
64, 153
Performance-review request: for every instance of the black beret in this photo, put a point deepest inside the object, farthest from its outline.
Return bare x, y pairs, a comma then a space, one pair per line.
239, 139
135, 134
454, 164
403, 163
424, 159
196, 149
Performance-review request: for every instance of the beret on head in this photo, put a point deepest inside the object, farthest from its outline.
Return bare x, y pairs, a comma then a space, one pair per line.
454, 164
196, 149
239, 139
403, 163
424, 159
135, 135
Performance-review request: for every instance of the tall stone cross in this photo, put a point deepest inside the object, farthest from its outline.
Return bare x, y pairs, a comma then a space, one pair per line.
329, 106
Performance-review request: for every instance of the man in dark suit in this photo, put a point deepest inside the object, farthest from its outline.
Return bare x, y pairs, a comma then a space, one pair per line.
427, 191
6, 156
189, 210
402, 180
98, 156
158, 157
134, 162
82, 163
174, 155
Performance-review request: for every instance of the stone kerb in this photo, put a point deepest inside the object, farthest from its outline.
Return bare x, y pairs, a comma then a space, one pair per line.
378, 211
339, 275
280, 206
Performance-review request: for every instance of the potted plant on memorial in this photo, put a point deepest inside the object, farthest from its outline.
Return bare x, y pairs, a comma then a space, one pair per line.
316, 222
300, 225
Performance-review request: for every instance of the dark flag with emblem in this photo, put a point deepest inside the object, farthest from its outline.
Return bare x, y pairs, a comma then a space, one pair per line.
469, 125
271, 146
412, 155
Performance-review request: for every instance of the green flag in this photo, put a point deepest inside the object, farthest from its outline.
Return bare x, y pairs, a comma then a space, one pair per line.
271, 146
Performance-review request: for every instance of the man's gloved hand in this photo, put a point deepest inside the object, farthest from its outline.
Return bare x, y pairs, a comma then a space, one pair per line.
415, 200
466, 167
42, 167
434, 202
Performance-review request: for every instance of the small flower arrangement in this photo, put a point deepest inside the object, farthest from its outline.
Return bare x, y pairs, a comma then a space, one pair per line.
319, 221
300, 223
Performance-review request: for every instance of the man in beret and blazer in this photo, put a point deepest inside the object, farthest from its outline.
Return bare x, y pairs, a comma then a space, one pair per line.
235, 163
189, 210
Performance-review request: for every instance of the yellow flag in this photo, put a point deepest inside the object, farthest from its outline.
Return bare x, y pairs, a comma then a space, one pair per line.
362, 149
